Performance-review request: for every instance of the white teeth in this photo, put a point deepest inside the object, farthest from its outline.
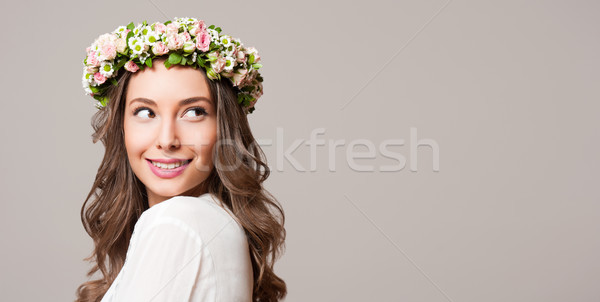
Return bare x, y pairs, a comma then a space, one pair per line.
169, 166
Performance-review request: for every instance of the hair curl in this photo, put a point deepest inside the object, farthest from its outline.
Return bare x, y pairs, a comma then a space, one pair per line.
119, 197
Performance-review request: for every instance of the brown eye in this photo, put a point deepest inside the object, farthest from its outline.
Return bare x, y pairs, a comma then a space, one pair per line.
144, 113
195, 112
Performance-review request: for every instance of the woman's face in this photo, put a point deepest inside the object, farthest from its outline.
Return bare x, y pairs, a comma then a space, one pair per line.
170, 128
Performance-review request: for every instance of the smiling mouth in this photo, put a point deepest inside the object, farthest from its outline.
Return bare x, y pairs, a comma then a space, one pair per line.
169, 166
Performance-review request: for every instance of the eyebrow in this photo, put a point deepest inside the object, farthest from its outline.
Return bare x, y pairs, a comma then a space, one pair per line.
181, 103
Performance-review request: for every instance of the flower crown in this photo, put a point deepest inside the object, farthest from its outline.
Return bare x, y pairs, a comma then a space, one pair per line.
187, 42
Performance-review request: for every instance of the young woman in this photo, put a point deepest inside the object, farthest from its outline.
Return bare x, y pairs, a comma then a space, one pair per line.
177, 211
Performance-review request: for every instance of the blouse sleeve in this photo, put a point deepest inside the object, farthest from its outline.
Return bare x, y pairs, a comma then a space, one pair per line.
164, 264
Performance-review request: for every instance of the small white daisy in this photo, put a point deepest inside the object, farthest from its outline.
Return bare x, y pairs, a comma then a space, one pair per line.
225, 40
143, 57
106, 69
229, 63
139, 47
133, 41
144, 30
120, 30
152, 38
213, 34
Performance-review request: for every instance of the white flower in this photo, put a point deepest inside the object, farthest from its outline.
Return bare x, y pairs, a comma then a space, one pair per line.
145, 29
119, 30
213, 34
139, 47
106, 69
136, 30
229, 63
86, 78
225, 41
143, 57
121, 45
185, 20
133, 41
85, 82
105, 38
151, 38
194, 55
230, 50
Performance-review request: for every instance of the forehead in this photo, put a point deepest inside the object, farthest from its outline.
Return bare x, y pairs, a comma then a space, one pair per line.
167, 85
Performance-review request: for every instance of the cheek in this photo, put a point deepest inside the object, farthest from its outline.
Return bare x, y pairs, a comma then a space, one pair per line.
137, 139
203, 140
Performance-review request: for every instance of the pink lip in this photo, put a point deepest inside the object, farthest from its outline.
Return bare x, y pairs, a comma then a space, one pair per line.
167, 173
166, 160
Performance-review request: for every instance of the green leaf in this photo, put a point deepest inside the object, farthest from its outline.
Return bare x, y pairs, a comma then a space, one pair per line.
149, 62
120, 64
130, 26
167, 23
167, 64
212, 26
129, 35
218, 29
113, 81
144, 23
183, 60
103, 101
256, 66
174, 58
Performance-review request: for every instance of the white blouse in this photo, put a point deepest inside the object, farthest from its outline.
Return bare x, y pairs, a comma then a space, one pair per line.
185, 249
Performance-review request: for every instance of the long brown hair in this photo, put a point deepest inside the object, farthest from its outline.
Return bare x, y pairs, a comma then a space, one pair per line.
118, 198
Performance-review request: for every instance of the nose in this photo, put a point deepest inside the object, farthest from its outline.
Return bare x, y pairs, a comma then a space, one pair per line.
167, 139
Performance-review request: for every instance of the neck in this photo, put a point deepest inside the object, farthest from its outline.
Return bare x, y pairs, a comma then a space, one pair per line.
154, 199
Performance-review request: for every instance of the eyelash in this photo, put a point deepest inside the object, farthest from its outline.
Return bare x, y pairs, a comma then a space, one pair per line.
138, 109
202, 110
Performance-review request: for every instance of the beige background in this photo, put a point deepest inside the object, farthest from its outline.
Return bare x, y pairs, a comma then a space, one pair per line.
507, 89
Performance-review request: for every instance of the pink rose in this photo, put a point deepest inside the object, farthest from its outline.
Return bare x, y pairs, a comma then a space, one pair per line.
253, 51
258, 92
130, 66
92, 59
251, 76
239, 76
219, 64
186, 36
120, 44
240, 57
160, 28
202, 25
109, 51
172, 28
198, 27
195, 31
203, 41
160, 49
99, 78
91, 69
174, 41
